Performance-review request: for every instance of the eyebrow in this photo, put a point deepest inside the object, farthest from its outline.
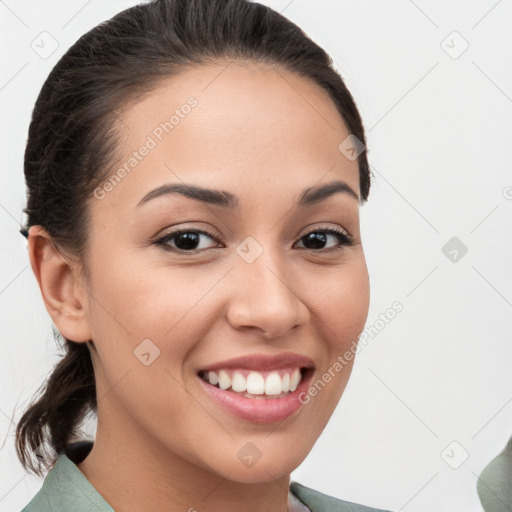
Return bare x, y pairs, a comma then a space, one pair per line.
222, 198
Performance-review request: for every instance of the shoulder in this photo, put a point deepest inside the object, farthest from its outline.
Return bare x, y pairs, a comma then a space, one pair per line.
65, 487
493, 484
319, 502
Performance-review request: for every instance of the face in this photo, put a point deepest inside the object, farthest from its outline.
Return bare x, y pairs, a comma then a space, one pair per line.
259, 292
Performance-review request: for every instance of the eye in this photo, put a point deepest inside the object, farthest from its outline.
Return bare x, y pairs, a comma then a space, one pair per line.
317, 238
189, 240
185, 240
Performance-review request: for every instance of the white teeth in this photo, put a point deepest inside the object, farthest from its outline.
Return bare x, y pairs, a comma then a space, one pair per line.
286, 383
255, 383
224, 380
295, 379
273, 384
238, 383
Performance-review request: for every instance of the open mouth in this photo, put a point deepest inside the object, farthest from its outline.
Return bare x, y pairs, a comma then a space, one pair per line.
262, 384
259, 388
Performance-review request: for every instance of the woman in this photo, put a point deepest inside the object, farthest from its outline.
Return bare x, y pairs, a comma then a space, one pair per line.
194, 172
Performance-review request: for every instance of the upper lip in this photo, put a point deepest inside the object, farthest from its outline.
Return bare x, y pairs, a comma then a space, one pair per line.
263, 362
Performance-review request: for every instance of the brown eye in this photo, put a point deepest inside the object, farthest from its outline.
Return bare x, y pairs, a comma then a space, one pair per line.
185, 240
190, 240
316, 240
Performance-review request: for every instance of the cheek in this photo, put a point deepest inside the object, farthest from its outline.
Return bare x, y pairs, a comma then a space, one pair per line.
135, 311
145, 299
173, 307
341, 302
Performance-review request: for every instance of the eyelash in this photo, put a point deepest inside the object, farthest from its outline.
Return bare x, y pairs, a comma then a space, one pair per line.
345, 240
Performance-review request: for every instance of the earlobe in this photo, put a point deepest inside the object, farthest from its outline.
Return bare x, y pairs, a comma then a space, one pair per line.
62, 295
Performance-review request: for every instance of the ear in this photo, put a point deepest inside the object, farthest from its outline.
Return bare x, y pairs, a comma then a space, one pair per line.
64, 296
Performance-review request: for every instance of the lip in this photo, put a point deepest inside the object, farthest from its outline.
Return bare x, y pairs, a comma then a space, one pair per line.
263, 362
259, 410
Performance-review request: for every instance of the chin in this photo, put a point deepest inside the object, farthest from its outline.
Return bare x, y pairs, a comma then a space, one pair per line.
261, 467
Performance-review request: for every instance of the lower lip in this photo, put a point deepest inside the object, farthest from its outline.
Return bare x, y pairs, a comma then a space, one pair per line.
258, 410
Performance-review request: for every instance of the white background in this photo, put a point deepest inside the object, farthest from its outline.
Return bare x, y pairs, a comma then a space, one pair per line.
439, 142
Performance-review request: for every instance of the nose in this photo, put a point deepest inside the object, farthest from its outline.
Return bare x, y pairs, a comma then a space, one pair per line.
264, 300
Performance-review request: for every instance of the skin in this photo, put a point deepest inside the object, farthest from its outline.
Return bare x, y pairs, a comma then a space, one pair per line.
264, 136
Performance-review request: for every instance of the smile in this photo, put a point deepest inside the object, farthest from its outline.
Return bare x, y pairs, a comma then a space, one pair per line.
258, 388
255, 384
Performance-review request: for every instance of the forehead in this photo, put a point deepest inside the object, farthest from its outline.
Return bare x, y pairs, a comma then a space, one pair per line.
230, 124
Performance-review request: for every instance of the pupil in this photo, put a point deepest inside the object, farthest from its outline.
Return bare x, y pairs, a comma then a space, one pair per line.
318, 239
190, 240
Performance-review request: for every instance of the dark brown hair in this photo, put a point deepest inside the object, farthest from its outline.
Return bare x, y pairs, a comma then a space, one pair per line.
74, 135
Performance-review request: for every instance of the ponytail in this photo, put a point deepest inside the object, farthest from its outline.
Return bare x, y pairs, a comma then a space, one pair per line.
61, 403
